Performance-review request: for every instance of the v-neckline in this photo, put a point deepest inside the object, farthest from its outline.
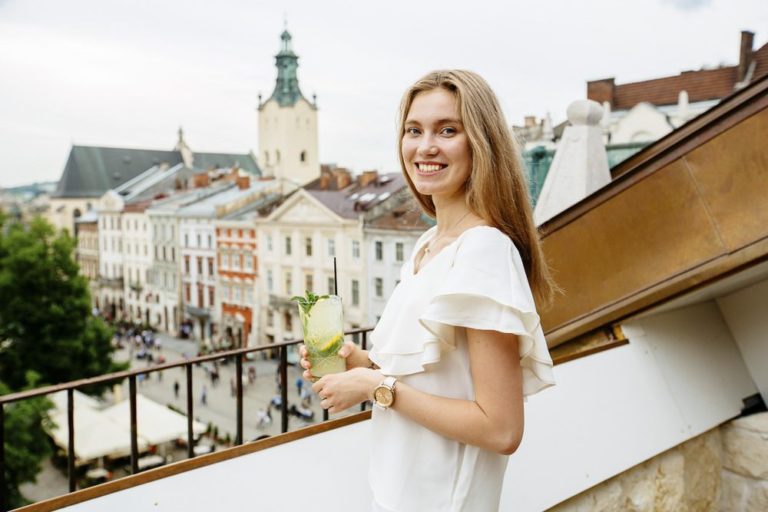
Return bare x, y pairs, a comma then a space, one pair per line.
418, 272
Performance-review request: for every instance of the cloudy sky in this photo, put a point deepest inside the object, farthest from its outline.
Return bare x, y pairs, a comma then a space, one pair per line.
128, 73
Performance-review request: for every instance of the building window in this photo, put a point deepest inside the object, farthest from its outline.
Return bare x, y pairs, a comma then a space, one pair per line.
199, 265
200, 296
186, 264
269, 243
331, 285
210, 266
303, 156
173, 254
210, 241
211, 295
355, 292
308, 245
186, 240
308, 283
399, 251
270, 319
288, 283
288, 246
355, 249
236, 261
238, 294
225, 260
199, 241
248, 262
331, 248
249, 295
379, 286
164, 254
379, 250
270, 283
288, 321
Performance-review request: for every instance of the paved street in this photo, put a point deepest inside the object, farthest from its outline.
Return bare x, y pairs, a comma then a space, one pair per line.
220, 407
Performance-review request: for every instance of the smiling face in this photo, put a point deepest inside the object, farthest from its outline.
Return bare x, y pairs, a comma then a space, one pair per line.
435, 146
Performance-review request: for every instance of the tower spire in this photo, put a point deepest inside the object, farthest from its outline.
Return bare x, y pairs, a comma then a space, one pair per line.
287, 91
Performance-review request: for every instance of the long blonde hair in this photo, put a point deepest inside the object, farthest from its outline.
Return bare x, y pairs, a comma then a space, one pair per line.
496, 189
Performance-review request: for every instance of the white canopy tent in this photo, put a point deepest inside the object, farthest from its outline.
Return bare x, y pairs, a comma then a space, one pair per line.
96, 435
107, 432
156, 423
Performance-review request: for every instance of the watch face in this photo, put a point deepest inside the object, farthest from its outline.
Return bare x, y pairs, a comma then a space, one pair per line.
383, 396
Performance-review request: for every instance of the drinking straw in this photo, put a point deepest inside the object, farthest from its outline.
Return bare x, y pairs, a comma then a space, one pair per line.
335, 279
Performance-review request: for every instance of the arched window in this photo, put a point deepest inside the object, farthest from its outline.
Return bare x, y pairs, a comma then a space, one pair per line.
266, 157
303, 156
277, 156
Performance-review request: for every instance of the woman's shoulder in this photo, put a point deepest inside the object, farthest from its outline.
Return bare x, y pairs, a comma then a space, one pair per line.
485, 247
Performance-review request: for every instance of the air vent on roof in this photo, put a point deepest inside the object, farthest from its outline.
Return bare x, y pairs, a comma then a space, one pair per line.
367, 197
354, 197
384, 196
385, 179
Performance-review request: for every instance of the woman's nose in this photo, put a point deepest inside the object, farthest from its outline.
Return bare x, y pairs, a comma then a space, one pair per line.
427, 146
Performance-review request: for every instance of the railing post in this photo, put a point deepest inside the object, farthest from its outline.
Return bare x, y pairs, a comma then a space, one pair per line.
3, 504
134, 426
284, 387
71, 440
239, 391
364, 347
190, 412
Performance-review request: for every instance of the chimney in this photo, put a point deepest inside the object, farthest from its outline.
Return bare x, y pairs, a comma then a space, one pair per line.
243, 182
745, 54
200, 180
530, 121
325, 180
601, 90
343, 178
367, 178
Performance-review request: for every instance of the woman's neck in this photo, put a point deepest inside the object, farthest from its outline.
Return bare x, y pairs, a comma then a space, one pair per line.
450, 212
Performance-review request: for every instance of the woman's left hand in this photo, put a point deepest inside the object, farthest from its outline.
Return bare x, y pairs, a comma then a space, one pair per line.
340, 391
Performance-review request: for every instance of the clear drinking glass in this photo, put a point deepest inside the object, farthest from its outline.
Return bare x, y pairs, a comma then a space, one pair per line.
323, 327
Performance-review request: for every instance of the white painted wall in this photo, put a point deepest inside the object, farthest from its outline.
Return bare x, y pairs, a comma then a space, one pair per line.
745, 312
284, 133
680, 375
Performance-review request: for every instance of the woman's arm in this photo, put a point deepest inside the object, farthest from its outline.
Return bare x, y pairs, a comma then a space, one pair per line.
494, 420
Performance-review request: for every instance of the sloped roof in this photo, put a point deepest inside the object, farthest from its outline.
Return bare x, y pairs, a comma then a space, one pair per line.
90, 171
405, 217
350, 202
207, 161
702, 85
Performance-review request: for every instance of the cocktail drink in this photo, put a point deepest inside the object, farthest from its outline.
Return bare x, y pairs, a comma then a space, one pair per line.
323, 324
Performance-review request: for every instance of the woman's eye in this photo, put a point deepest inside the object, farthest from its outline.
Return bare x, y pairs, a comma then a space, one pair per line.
412, 131
448, 131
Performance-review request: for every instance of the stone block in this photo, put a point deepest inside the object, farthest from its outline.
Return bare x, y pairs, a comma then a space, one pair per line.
745, 452
702, 471
758, 498
754, 422
733, 492
639, 486
669, 482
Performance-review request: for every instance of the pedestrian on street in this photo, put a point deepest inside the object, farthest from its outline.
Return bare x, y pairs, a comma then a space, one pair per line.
176, 388
204, 395
299, 385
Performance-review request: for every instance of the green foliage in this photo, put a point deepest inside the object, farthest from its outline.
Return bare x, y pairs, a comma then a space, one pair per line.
308, 301
26, 444
45, 319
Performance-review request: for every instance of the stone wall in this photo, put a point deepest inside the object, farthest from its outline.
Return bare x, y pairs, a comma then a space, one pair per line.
725, 469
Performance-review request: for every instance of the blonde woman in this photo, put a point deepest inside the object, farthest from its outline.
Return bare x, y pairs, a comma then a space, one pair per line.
459, 344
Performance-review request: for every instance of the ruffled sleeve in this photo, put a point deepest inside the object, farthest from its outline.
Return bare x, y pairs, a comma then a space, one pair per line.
486, 288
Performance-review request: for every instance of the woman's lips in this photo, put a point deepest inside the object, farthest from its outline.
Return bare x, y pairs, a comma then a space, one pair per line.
429, 168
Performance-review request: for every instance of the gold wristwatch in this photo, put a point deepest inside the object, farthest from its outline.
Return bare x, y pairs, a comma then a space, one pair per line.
384, 394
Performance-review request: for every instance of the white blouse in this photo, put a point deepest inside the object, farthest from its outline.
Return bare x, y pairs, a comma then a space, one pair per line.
477, 281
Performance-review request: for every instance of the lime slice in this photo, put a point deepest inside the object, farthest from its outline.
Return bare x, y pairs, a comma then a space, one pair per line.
329, 345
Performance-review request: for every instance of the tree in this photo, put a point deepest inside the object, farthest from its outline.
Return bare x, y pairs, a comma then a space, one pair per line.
26, 445
47, 336
46, 323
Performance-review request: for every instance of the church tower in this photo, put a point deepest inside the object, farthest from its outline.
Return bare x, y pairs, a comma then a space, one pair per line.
288, 145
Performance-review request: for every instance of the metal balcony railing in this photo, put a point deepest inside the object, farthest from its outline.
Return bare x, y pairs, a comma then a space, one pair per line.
132, 375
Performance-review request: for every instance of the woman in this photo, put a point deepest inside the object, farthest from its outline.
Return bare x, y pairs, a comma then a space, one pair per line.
459, 343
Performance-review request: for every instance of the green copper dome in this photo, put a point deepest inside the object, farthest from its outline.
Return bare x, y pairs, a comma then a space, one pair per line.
287, 91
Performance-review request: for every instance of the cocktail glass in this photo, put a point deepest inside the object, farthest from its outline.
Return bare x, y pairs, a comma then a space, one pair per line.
323, 326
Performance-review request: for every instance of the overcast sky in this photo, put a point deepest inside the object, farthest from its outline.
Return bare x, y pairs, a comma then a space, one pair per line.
128, 73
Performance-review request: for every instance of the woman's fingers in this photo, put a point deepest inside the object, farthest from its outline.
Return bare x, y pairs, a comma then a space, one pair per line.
347, 349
